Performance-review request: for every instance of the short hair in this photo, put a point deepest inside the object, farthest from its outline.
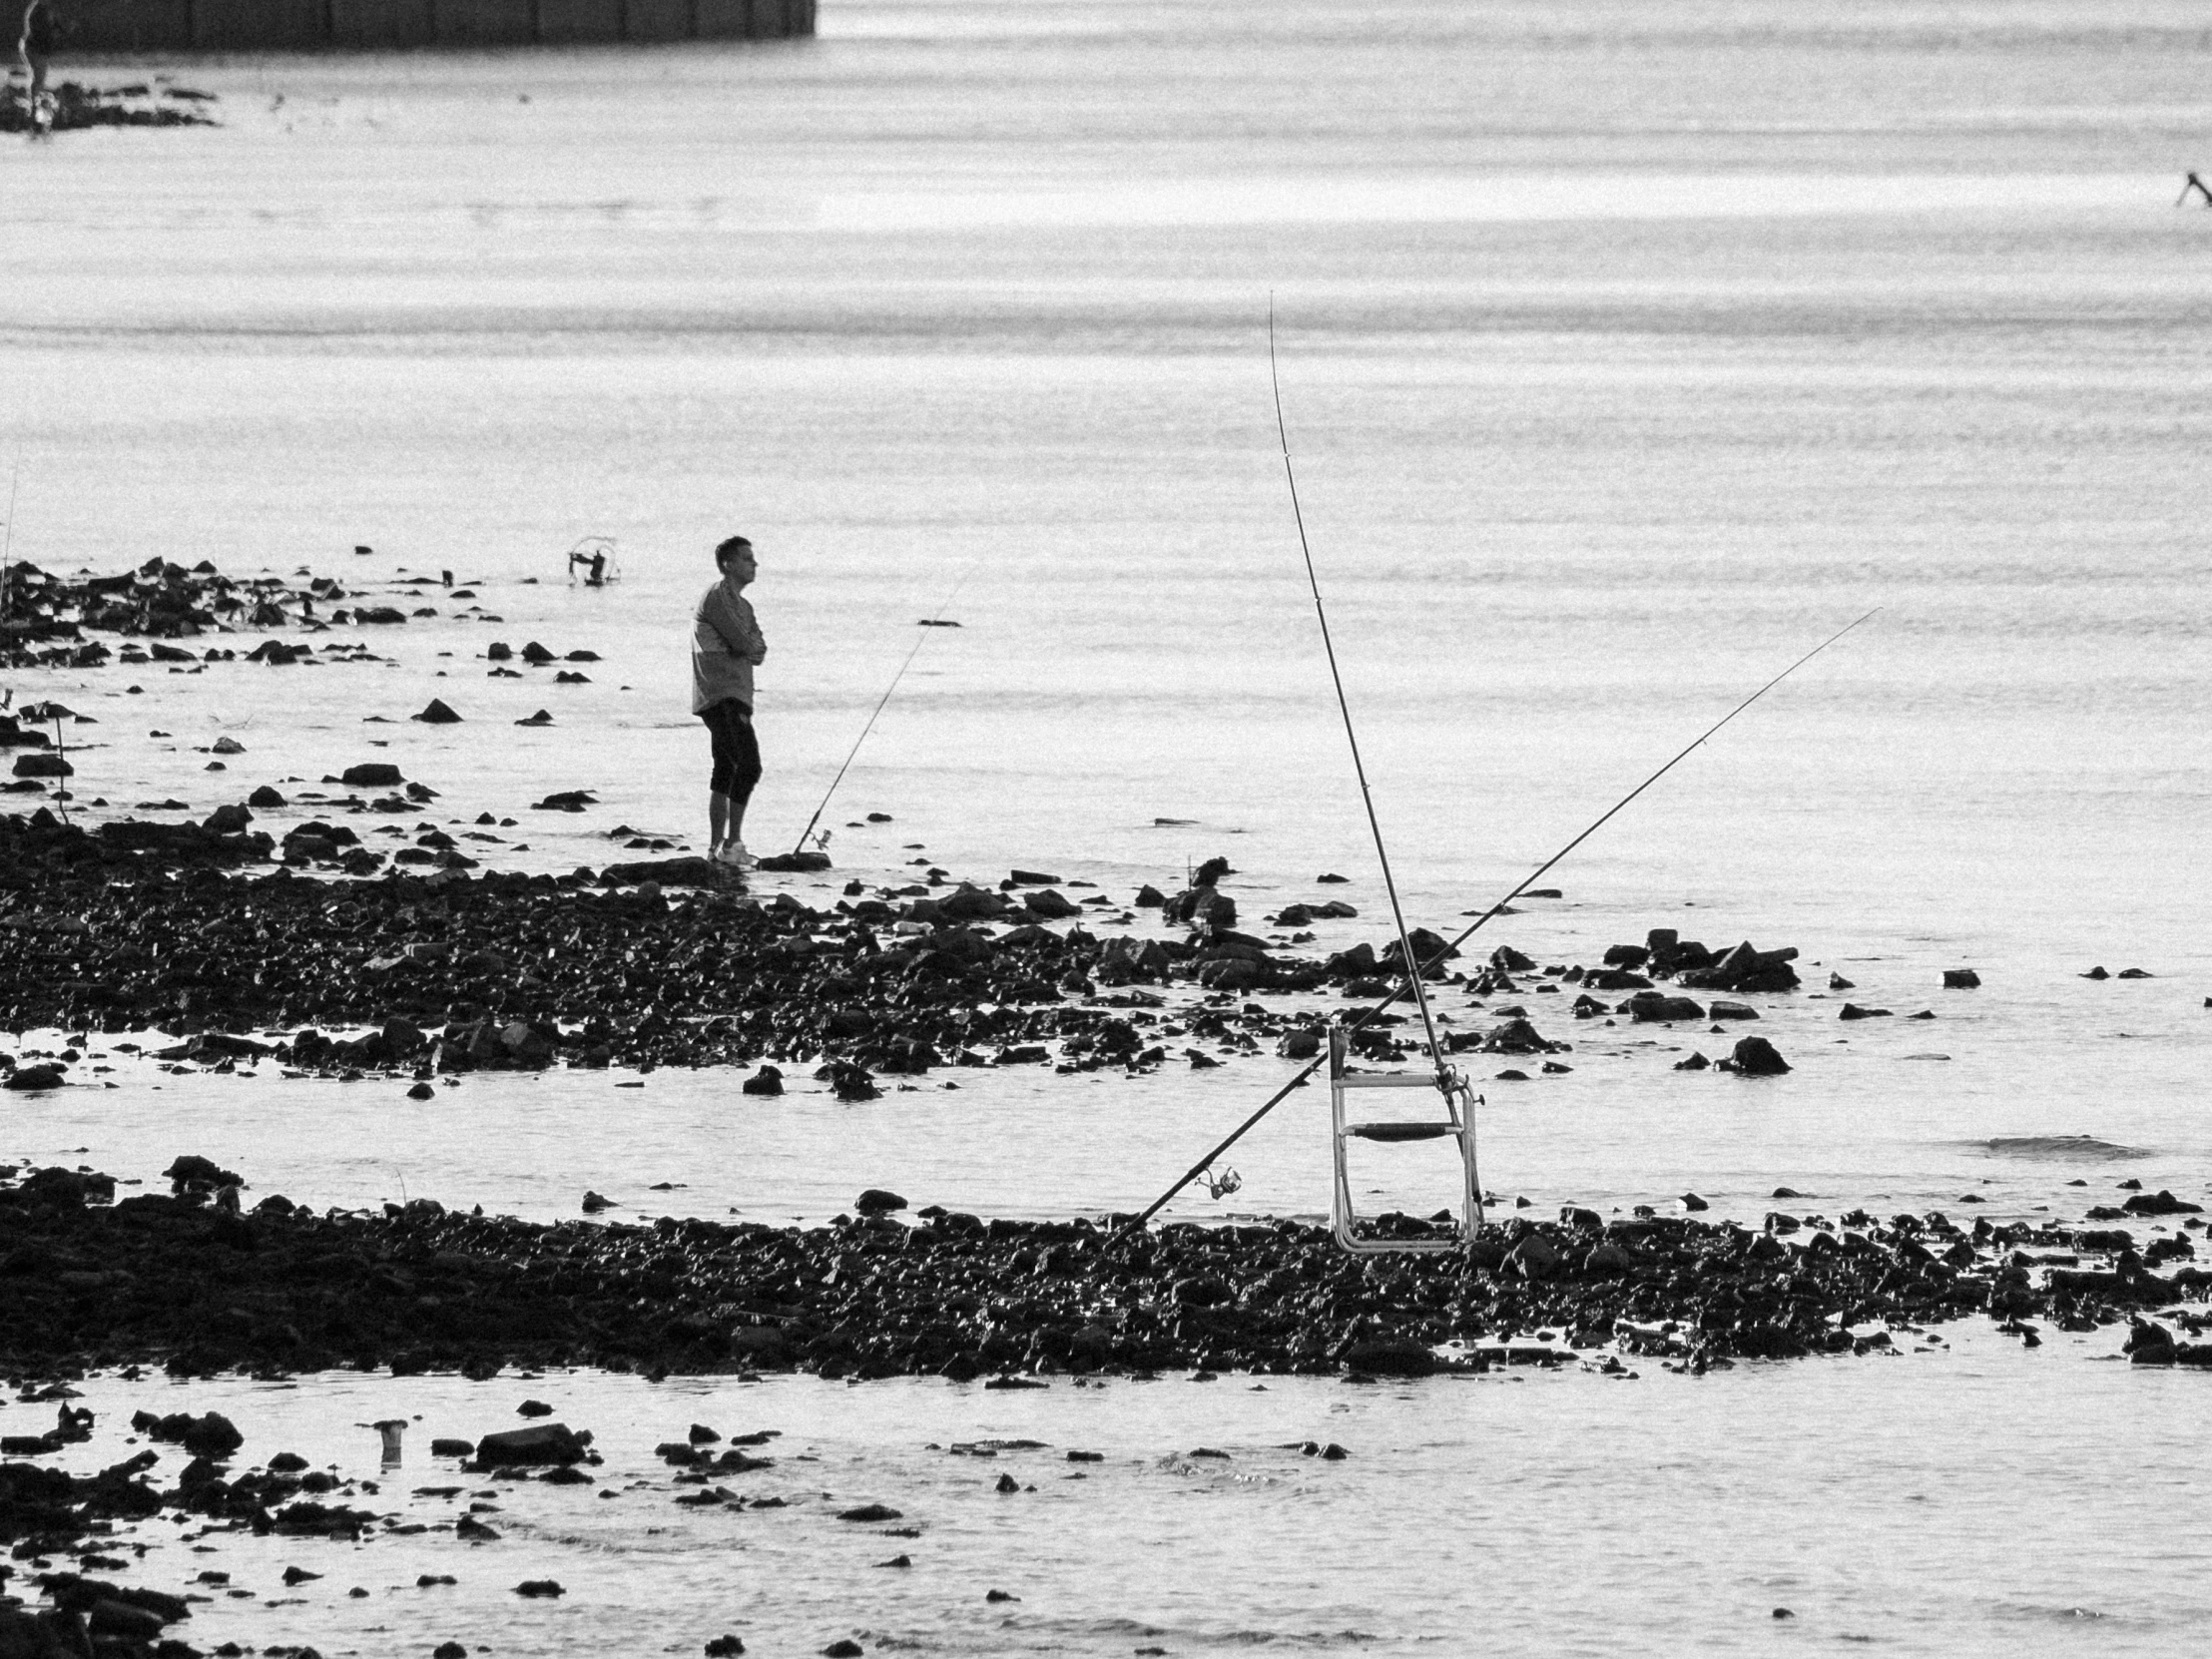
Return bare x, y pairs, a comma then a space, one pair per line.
728, 549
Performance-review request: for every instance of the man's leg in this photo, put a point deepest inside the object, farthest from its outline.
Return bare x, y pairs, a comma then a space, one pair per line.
747, 774
717, 817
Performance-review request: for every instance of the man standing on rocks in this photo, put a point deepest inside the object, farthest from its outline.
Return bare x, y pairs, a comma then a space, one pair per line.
726, 648
36, 48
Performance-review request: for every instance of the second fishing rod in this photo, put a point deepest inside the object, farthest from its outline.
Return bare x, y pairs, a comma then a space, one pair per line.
1416, 971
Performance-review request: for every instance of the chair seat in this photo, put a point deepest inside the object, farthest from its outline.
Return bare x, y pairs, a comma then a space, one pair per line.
1401, 1131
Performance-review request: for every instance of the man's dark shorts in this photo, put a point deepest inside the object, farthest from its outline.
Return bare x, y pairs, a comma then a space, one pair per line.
736, 752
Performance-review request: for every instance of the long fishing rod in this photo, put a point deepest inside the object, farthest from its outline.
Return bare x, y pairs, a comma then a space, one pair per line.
922, 635
1468, 932
1344, 706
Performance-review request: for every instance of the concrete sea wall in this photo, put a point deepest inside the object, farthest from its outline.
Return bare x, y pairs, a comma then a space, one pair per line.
315, 25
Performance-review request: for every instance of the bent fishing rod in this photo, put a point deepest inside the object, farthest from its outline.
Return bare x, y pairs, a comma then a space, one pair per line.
922, 635
1415, 971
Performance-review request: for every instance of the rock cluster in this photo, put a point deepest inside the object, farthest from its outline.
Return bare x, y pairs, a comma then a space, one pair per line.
456, 972
201, 1287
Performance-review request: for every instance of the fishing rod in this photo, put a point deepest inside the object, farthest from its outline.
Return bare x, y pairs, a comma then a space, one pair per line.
1344, 706
1369, 1015
942, 605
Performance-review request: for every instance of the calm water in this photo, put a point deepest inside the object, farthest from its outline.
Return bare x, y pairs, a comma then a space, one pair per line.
1627, 351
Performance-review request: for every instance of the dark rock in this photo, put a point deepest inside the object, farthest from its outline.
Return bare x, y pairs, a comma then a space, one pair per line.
1693, 1202
877, 1201
539, 1444
1647, 1007
1517, 1036
1757, 1057
438, 713
35, 1077
447, 1447
2095, 973
795, 862
1388, 1359
265, 798
724, 1647
538, 1587
372, 775
1747, 968
767, 1081
869, 1512
1961, 980
2160, 1203
1851, 1010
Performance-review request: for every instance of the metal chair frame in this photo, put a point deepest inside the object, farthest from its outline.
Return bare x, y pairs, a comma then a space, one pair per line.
1457, 1125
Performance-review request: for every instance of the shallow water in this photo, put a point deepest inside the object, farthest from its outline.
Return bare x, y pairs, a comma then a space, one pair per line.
1627, 352
1548, 1510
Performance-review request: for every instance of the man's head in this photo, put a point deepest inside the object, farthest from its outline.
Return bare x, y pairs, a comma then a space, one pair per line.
734, 558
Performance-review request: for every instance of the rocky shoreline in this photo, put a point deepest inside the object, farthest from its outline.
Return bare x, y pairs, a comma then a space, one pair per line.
200, 1281
132, 925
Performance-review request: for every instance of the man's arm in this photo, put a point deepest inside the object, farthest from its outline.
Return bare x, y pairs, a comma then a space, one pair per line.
748, 641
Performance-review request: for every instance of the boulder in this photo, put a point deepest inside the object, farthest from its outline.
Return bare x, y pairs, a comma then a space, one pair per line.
371, 774
1757, 1057
438, 713
1517, 1036
1388, 1359
795, 862
539, 1444
265, 798
1962, 979
1649, 1006
877, 1201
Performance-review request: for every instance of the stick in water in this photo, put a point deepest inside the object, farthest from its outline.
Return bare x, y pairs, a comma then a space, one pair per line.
1466, 933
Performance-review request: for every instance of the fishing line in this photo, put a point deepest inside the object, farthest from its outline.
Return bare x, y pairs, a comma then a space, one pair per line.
7, 546
1344, 706
1468, 932
922, 635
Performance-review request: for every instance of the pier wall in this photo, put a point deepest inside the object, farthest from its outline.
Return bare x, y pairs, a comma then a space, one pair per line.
318, 25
